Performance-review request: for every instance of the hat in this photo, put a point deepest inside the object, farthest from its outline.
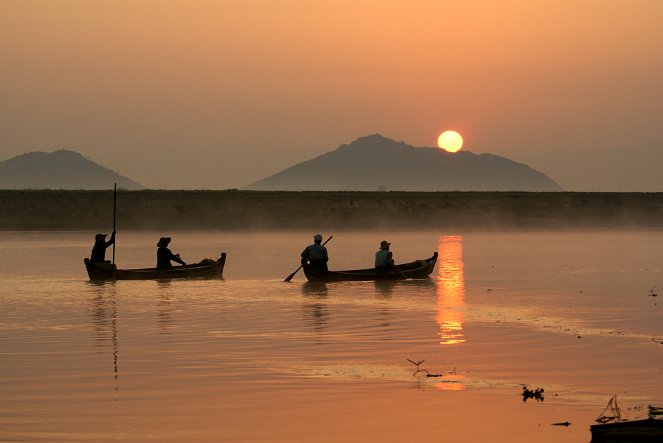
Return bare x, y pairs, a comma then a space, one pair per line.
317, 237
163, 241
100, 237
384, 244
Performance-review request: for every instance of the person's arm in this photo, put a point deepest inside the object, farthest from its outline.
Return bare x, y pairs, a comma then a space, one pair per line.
176, 258
111, 240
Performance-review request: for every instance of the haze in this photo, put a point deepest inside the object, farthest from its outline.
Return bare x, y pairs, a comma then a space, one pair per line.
219, 94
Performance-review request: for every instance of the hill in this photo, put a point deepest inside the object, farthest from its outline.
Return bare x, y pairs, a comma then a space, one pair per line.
378, 163
60, 169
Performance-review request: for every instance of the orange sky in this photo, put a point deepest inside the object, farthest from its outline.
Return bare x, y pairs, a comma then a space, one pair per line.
217, 94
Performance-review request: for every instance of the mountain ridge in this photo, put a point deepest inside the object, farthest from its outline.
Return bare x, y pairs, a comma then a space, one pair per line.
375, 162
60, 169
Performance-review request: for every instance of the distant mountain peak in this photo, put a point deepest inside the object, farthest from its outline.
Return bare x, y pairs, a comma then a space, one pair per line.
60, 169
376, 162
373, 141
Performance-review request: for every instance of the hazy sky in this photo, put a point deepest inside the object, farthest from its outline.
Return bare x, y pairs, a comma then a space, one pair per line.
218, 94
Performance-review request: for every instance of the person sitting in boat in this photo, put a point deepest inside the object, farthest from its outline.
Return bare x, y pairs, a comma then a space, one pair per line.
164, 255
98, 256
384, 259
316, 254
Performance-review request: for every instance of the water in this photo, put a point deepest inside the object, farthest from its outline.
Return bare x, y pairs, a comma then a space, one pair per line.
250, 358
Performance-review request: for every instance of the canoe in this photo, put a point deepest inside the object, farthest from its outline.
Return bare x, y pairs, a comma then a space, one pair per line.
613, 428
416, 269
207, 268
646, 430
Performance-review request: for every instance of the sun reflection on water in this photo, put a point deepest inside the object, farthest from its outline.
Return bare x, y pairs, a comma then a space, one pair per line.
450, 290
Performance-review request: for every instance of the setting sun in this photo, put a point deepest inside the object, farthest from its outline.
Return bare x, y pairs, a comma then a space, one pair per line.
450, 141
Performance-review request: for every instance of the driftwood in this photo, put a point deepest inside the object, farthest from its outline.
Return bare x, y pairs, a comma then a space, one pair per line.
428, 374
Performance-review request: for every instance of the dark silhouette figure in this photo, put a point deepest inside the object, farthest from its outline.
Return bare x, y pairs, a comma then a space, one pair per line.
316, 254
164, 255
384, 259
99, 249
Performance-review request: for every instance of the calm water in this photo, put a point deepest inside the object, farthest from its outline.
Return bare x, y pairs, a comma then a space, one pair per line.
250, 358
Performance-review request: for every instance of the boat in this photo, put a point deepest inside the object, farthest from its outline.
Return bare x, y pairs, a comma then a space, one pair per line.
613, 428
206, 268
415, 269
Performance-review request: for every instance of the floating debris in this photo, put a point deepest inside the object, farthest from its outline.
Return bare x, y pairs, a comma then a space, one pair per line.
652, 293
428, 374
536, 394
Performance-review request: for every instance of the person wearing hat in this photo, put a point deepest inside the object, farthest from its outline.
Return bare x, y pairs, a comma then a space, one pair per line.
99, 249
316, 254
164, 255
384, 260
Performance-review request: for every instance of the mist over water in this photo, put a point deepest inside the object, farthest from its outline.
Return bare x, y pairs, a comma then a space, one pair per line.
251, 358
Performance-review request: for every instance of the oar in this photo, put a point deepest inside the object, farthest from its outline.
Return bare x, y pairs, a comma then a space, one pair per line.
288, 278
401, 272
186, 267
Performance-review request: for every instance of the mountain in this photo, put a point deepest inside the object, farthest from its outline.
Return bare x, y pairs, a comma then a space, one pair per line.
60, 169
377, 163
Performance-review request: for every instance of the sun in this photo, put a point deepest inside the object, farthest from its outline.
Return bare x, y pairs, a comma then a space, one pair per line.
450, 141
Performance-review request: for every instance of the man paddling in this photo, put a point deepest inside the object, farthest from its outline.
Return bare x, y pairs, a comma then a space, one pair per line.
316, 254
164, 255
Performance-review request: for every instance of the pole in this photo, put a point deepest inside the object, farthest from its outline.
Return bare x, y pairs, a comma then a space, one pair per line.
114, 211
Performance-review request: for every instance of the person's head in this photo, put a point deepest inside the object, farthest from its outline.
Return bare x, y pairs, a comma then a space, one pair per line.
384, 244
317, 238
163, 242
100, 237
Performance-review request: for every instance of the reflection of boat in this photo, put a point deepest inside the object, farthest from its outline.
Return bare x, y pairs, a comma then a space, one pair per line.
416, 269
613, 428
207, 268
315, 288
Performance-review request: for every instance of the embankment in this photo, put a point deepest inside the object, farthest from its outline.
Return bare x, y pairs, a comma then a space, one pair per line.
245, 210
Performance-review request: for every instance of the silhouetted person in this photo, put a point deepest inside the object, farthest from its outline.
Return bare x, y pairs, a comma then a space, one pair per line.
164, 256
384, 260
316, 254
99, 249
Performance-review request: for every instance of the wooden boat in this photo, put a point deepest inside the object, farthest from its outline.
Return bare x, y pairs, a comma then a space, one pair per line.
207, 268
646, 430
613, 428
416, 269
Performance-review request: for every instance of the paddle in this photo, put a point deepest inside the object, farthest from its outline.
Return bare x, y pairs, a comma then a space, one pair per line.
186, 267
288, 278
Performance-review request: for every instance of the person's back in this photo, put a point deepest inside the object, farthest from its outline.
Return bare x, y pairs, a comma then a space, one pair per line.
316, 254
163, 258
383, 257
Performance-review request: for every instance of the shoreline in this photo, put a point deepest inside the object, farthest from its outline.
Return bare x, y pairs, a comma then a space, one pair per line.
234, 210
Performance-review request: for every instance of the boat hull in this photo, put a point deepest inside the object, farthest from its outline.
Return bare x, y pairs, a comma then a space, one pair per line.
647, 430
414, 270
204, 269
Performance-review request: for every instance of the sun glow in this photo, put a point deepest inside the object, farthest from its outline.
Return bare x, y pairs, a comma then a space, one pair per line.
450, 141
450, 309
